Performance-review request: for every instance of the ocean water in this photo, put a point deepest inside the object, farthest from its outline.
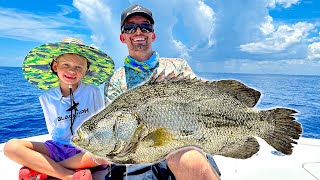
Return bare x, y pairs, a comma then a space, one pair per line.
21, 114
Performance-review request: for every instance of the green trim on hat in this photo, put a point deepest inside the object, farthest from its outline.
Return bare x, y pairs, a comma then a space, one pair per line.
37, 69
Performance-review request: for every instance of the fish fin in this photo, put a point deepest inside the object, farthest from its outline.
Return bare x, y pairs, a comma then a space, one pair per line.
172, 76
235, 88
241, 149
157, 78
132, 146
160, 137
240, 91
140, 121
286, 128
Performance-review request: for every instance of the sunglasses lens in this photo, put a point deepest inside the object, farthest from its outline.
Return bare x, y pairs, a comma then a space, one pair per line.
128, 28
132, 28
145, 28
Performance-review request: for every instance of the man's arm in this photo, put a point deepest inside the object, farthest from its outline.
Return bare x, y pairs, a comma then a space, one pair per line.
175, 65
116, 86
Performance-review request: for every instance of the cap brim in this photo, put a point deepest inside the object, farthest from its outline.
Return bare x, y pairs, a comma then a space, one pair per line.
37, 70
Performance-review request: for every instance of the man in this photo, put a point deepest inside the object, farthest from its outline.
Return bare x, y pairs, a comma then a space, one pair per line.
138, 34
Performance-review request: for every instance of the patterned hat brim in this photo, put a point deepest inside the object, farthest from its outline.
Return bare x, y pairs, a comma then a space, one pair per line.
37, 70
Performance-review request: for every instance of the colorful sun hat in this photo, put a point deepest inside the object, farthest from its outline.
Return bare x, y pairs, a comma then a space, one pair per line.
37, 64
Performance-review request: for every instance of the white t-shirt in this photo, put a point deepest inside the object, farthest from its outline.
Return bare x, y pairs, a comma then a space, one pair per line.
55, 106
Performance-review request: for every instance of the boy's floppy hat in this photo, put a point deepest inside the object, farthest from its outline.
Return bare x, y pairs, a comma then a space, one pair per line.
37, 64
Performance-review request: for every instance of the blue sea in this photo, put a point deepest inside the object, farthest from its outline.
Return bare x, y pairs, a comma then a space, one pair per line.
21, 114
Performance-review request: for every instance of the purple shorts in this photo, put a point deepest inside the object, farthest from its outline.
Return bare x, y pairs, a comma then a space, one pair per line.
59, 152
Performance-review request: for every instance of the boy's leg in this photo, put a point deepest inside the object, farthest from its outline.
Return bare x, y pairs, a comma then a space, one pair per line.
83, 160
190, 163
35, 155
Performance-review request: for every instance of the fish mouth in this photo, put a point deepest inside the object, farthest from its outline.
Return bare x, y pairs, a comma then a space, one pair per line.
80, 139
76, 140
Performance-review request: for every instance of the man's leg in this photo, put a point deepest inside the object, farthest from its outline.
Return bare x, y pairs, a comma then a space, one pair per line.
190, 163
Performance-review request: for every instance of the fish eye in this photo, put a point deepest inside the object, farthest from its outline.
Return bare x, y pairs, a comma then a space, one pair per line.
123, 116
92, 127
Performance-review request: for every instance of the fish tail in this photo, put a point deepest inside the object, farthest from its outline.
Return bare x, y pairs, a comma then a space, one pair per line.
285, 129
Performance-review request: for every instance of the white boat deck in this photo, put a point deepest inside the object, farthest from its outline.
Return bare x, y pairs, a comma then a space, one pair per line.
267, 164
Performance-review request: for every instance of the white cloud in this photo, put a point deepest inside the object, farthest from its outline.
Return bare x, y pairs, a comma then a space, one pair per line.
221, 35
104, 25
65, 10
105, 29
97, 15
182, 49
236, 23
32, 27
314, 51
200, 18
284, 3
207, 21
267, 26
279, 40
198, 25
189, 24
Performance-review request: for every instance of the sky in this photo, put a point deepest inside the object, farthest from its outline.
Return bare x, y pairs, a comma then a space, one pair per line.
218, 36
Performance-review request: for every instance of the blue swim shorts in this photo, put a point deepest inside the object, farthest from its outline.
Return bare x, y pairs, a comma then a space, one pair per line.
59, 152
159, 171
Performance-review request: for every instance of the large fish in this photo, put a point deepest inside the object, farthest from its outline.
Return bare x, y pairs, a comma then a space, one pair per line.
144, 124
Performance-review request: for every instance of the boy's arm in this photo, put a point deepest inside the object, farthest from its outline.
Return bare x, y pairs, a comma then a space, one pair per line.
49, 124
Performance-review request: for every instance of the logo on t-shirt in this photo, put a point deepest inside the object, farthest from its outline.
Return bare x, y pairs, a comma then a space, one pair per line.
77, 115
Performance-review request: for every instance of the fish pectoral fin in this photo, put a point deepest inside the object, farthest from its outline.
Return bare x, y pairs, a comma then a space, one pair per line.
116, 148
159, 137
129, 149
241, 149
131, 146
136, 138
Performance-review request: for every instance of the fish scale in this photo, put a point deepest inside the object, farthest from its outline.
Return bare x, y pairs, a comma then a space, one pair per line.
145, 123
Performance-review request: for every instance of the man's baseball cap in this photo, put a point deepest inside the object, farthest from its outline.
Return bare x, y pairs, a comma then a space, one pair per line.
136, 10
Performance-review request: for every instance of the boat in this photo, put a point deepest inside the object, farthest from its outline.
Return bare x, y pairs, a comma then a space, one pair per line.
267, 164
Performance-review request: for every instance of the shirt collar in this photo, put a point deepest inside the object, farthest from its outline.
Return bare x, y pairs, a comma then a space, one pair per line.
144, 65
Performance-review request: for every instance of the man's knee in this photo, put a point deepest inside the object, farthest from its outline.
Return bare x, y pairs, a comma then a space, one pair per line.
190, 162
185, 158
190, 158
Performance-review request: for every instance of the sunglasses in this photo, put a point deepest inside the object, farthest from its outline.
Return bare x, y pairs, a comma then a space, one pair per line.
132, 28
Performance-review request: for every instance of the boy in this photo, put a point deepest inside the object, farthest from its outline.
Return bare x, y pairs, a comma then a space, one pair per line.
66, 105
